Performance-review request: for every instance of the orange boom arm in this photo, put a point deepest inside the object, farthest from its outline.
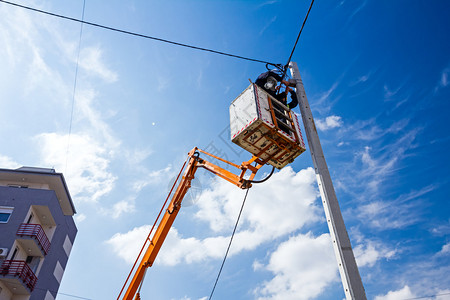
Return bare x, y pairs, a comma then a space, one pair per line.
194, 162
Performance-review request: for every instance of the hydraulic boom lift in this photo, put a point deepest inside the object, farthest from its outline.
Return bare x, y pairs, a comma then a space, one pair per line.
193, 163
254, 127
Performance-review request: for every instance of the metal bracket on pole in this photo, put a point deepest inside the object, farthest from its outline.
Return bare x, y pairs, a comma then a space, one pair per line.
351, 280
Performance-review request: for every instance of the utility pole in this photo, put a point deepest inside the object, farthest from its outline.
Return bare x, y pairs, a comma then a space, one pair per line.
351, 280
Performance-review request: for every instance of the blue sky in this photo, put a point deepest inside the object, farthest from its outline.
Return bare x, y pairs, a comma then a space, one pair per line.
377, 77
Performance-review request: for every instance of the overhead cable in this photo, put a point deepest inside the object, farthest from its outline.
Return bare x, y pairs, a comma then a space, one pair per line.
267, 177
137, 34
431, 296
74, 87
56, 292
229, 245
298, 37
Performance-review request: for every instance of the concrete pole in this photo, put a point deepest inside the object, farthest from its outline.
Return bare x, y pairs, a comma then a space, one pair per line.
351, 280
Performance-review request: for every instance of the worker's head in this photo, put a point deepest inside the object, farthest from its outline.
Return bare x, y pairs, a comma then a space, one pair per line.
271, 83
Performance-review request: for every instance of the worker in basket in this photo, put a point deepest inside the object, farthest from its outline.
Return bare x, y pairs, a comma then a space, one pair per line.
271, 82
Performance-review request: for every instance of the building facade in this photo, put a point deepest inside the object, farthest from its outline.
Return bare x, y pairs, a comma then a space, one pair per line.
37, 232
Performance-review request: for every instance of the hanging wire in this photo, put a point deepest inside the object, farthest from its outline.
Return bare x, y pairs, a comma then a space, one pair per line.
298, 37
424, 297
74, 87
72, 296
283, 70
138, 34
229, 245
55, 292
268, 176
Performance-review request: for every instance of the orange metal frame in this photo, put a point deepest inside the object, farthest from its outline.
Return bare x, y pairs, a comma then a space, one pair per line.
288, 117
194, 162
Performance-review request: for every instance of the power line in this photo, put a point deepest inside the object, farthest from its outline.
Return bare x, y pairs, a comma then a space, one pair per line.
431, 296
298, 37
137, 34
73, 296
57, 293
74, 87
229, 245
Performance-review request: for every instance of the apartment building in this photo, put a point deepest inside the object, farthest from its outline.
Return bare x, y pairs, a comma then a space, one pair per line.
37, 232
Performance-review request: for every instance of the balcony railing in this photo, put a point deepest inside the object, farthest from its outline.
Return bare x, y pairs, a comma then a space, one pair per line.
35, 231
19, 268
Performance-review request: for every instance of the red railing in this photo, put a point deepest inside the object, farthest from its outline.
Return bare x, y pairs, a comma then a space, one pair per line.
19, 268
35, 231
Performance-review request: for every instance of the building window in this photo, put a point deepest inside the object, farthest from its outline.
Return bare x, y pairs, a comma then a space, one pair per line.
5, 213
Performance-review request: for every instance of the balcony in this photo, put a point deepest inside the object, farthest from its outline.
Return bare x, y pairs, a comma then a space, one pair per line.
36, 233
17, 271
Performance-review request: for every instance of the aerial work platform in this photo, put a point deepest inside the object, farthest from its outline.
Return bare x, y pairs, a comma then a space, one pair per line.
265, 127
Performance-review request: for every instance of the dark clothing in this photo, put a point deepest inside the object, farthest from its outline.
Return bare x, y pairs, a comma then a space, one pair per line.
268, 82
282, 97
262, 81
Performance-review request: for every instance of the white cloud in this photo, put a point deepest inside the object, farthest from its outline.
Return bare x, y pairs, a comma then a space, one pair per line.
199, 79
365, 130
444, 78
153, 177
188, 298
268, 2
398, 126
368, 254
175, 249
388, 93
121, 207
441, 229
303, 267
403, 293
445, 250
136, 157
127, 245
257, 266
79, 218
367, 159
398, 213
32, 45
376, 167
87, 174
322, 101
8, 163
329, 123
384, 215
271, 211
91, 59
163, 83
361, 79
21, 37
364, 78
89, 119
39, 74
267, 24
356, 11
219, 206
